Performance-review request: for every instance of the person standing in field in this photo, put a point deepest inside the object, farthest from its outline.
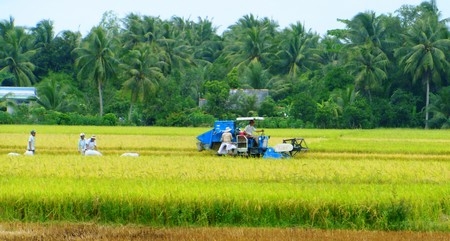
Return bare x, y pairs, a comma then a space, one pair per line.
226, 145
32, 141
91, 144
82, 144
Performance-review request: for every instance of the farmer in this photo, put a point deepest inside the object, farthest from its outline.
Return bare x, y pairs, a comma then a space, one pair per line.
250, 131
82, 144
31, 141
226, 145
91, 144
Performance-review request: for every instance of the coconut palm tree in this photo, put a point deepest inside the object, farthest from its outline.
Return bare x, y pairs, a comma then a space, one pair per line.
142, 72
46, 51
43, 33
96, 60
176, 51
15, 53
368, 65
440, 107
297, 52
139, 29
255, 76
250, 39
56, 92
424, 52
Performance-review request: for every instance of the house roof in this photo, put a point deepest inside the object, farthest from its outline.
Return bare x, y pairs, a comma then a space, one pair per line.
18, 93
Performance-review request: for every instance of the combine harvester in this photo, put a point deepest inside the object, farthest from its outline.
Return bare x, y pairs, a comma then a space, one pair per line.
245, 146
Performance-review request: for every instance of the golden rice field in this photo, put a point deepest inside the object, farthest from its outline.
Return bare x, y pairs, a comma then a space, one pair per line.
374, 180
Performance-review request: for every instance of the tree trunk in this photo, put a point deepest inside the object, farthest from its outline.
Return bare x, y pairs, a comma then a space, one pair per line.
130, 111
100, 97
427, 102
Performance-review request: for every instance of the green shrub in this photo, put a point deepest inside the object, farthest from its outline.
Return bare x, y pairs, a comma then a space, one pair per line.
5, 118
109, 119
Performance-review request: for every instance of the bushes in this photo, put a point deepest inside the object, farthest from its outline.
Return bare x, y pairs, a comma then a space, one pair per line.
281, 122
5, 118
195, 118
42, 116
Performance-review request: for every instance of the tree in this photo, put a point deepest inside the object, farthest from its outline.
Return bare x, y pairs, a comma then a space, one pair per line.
62, 54
440, 107
424, 53
43, 36
142, 72
368, 65
96, 60
250, 39
175, 49
15, 53
255, 76
139, 29
217, 93
366, 29
207, 44
57, 92
297, 50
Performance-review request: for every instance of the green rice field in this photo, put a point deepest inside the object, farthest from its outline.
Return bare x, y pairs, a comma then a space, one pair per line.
384, 179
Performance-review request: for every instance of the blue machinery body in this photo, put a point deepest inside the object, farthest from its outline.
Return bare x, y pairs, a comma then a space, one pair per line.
210, 140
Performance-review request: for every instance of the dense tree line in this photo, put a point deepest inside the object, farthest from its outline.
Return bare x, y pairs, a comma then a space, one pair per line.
387, 70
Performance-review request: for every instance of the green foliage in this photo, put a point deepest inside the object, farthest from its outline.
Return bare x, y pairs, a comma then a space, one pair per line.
109, 119
326, 115
193, 117
303, 107
241, 104
22, 114
6, 76
200, 118
232, 78
16, 53
5, 118
168, 65
96, 60
268, 108
357, 115
281, 123
58, 92
440, 108
255, 76
337, 78
403, 112
216, 94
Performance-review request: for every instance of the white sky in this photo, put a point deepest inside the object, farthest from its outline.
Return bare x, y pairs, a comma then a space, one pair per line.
317, 15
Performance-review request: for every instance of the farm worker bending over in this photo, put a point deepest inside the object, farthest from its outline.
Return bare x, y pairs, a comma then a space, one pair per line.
82, 144
226, 145
250, 130
91, 144
31, 141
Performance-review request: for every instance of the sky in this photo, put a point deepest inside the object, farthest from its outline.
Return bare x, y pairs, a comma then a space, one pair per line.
316, 15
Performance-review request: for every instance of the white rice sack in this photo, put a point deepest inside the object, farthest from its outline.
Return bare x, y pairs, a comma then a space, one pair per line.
92, 153
131, 154
13, 154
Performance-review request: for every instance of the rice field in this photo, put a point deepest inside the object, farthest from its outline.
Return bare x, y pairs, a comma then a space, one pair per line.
385, 179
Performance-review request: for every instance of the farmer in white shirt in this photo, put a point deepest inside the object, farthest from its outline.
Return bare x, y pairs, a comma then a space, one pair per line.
226, 145
82, 144
250, 131
31, 142
91, 144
